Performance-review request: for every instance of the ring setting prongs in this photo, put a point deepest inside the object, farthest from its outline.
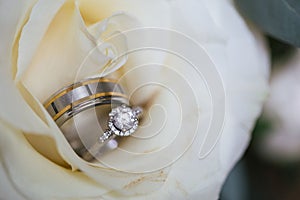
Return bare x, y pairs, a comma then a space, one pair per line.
123, 121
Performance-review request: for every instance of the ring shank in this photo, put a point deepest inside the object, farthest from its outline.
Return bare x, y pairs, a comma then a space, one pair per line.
84, 92
84, 129
81, 111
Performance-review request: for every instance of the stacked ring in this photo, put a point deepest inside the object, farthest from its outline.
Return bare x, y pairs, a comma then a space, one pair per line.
80, 108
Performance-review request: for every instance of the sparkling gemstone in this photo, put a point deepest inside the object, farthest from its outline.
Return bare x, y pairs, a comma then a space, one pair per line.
123, 119
105, 136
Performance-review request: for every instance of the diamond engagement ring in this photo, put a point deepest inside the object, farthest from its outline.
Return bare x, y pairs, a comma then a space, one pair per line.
91, 114
123, 121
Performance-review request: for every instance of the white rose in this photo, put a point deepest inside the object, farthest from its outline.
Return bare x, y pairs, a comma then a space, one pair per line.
43, 47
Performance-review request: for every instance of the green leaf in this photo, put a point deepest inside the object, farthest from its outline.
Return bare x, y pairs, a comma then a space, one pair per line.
278, 18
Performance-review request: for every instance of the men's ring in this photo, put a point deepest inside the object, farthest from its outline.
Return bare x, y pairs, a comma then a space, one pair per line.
73, 109
80, 96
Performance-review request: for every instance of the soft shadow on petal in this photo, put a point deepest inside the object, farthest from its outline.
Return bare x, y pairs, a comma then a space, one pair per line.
153, 13
148, 76
35, 177
13, 108
62, 42
245, 77
40, 18
7, 188
173, 91
65, 49
46, 68
193, 174
58, 56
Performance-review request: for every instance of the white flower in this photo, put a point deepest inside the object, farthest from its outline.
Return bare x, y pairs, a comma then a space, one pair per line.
44, 45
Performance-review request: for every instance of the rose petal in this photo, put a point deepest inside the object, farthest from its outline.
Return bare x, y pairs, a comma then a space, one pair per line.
149, 13
66, 53
13, 108
194, 175
40, 18
189, 176
34, 176
100, 174
251, 71
244, 98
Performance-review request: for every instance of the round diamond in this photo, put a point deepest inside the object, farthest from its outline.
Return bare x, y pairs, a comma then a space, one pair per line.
123, 120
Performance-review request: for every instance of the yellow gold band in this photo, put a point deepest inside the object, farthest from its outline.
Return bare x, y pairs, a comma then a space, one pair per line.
74, 86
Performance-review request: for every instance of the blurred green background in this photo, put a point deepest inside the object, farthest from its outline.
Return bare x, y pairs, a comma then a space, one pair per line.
256, 177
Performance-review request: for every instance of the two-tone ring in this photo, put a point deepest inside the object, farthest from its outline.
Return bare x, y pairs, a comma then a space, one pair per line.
71, 108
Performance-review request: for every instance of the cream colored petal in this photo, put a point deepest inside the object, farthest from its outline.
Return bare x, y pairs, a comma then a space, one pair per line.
40, 18
66, 53
224, 35
35, 31
7, 188
167, 81
36, 73
35, 177
13, 108
119, 182
109, 31
245, 75
147, 12
190, 174
46, 145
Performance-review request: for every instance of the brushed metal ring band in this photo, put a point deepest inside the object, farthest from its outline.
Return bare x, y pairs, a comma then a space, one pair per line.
82, 95
74, 108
